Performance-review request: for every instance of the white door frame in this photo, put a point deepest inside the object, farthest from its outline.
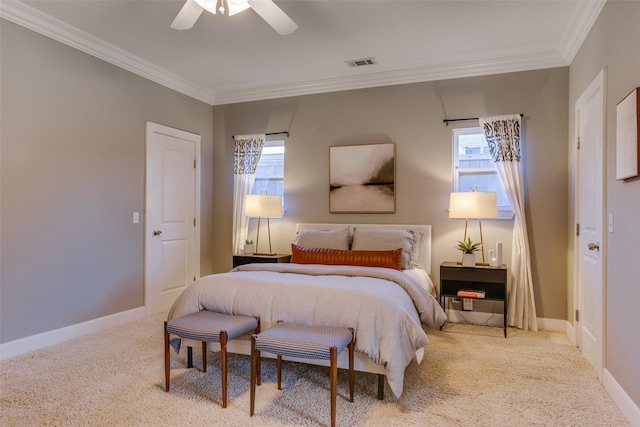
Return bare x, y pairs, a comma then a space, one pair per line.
598, 84
158, 128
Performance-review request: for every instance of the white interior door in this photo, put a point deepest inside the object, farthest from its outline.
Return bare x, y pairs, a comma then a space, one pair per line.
172, 215
589, 253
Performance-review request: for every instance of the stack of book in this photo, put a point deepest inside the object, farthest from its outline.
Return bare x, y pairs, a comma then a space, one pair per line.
470, 293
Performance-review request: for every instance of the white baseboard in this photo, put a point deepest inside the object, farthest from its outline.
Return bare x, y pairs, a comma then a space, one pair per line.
571, 333
25, 345
621, 398
556, 325
481, 318
496, 320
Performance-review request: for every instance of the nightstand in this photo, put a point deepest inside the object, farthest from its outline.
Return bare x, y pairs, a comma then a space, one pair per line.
491, 280
249, 259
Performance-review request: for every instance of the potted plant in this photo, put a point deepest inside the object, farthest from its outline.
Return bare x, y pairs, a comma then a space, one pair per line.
468, 249
249, 247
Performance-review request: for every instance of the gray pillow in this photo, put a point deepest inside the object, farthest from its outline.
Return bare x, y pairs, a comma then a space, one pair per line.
326, 239
366, 239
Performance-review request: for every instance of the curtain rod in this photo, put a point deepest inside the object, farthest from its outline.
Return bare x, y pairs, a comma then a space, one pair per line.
272, 133
446, 121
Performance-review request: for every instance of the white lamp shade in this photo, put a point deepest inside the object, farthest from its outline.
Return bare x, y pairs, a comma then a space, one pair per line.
262, 205
473, 204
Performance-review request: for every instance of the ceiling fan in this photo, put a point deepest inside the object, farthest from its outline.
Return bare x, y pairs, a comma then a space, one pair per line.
267, 10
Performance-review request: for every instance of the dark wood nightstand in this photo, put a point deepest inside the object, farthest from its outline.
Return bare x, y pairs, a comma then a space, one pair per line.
249, 259
491, 280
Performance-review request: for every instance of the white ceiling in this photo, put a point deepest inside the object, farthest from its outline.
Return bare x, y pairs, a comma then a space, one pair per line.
226, 59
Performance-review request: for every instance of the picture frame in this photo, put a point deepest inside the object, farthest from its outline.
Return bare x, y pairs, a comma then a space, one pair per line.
362, 178
627, 136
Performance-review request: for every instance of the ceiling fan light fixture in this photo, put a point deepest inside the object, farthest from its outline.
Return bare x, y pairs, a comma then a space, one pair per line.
224, 6
237, 6
266, 9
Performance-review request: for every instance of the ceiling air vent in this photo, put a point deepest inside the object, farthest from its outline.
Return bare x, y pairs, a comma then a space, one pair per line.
361, 62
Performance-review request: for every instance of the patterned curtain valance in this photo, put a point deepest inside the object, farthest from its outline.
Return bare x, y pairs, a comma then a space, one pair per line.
503, 137
247, 153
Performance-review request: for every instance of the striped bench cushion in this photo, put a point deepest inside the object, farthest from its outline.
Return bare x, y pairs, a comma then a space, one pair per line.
303, 341
206, 326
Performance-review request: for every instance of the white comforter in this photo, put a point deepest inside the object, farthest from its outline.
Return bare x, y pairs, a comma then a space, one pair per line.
384, 306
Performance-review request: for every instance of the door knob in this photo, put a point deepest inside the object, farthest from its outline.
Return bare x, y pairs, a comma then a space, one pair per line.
157, 232
594, 246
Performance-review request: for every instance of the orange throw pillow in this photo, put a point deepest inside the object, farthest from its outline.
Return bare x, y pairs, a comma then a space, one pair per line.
387, 259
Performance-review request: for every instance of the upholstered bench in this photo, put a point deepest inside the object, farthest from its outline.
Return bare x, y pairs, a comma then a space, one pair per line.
208, 326
305, 342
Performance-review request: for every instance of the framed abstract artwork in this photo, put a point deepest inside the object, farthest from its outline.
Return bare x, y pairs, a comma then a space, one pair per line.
362, 178
627, 136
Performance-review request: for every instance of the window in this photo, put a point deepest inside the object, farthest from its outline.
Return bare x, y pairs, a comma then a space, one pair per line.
473, 168
270, 170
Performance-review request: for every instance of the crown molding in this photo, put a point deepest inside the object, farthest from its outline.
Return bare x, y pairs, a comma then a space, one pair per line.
534, 61
31, 18
577, 30
579, 26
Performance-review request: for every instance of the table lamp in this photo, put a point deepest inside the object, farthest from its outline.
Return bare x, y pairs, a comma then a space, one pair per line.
263, 205
473, 204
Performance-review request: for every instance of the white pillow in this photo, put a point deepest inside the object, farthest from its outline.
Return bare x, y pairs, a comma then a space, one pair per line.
367, 239
325, 239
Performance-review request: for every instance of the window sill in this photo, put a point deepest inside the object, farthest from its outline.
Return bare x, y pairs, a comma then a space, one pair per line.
506, 214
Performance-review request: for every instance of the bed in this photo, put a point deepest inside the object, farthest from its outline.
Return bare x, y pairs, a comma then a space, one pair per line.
374, 278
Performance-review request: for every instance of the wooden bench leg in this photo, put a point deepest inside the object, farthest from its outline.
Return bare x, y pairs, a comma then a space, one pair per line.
380, 387
189, 357
257, 331
351, 373
167, 358
279, 369
334, 380
223, 366
204, 356
253, 376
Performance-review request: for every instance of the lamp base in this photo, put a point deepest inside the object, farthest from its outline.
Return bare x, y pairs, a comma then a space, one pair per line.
483, 264
267, 254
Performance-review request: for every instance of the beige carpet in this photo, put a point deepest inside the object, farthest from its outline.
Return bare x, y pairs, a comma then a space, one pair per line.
470, 376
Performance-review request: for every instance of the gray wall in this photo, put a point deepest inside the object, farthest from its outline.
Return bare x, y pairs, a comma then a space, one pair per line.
411, 116
613, 44
72, 174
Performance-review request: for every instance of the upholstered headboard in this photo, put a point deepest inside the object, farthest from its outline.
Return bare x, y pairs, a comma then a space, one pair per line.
424, 253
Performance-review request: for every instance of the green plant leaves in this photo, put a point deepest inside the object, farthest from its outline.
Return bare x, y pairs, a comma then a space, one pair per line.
468, 246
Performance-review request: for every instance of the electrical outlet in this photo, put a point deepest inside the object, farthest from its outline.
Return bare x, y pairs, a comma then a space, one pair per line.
467, 304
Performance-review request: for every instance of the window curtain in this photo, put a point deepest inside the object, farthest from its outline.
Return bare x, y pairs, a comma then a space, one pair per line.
503, 137
245, 160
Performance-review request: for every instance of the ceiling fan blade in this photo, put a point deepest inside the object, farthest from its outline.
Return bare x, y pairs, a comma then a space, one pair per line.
187, 16
274, 16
